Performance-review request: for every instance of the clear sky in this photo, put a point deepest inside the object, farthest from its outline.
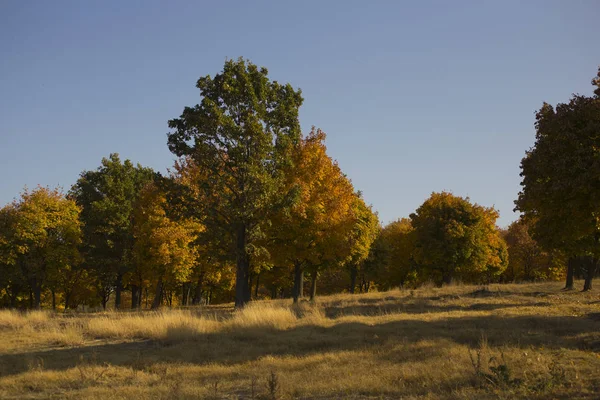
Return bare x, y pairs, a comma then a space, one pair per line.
415, 96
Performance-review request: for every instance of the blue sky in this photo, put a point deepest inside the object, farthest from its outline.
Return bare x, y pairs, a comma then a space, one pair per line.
415, 97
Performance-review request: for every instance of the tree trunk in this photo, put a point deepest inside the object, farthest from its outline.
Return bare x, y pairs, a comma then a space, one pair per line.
298, 281
570, 272
30, 298
119, 288
367, 286
242, 267
198, 291
313, 286
184, 290
273, 292
146, 291
590, 272
135, 292
37, 294
249, 292
257, 284
353, 275
446, 278
158, 295
54, 300
67, 298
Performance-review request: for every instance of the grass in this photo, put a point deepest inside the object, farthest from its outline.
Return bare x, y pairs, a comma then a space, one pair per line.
530, 341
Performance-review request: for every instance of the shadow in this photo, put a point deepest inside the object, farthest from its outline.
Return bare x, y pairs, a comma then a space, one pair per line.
417, 306
235, 347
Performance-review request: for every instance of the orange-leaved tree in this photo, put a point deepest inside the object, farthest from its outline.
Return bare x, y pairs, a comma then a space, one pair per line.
311, 234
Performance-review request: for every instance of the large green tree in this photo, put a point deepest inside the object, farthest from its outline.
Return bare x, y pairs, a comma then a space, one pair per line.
457, 239
240, 136
560, 176
107, 197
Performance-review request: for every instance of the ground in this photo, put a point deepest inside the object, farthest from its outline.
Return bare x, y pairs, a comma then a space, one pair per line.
531, 341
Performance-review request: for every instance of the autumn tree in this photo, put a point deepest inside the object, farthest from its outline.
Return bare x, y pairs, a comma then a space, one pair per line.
526, 259
360, 237
162, 250
12, 281
240, 136
312, 233
559, 180
212, 269
107, 197
391, 255
457, 239
41, 235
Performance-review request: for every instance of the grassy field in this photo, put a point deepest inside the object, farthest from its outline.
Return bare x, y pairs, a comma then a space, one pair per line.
510, 341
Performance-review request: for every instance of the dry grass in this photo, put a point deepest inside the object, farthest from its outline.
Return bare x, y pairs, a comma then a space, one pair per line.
510, 341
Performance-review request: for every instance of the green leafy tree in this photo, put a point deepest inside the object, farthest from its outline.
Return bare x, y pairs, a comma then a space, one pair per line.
560, 180
12, 281
107, 197
240, 136
457, 239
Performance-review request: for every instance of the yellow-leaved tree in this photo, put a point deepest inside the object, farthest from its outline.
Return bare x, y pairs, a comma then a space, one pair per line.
312, 233
43, 233
214, 268
455, 238
163, 253
360, 238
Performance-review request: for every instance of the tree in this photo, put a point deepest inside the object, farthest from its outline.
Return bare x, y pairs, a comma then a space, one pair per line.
559, 180
527, 260
391, 256
162, 250
360, 238
107, 197
457, 239
312, 233
240, 136
12, 281
44, 233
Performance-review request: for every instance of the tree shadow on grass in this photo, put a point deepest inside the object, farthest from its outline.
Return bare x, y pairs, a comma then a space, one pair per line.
418, 306
234, 347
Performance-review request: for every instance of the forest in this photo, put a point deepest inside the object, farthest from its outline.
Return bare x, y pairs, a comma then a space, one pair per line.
253, 208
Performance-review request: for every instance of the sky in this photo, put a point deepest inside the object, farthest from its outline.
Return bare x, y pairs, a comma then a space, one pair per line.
415, 97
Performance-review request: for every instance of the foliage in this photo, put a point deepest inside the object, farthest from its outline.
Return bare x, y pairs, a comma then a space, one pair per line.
240, 136
312, 233
391, 255
560, 176
107, 197
40, 236
526, 259
360, 238
457, 239
162, 250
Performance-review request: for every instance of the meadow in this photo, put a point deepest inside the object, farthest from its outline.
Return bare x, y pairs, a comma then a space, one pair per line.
529, 341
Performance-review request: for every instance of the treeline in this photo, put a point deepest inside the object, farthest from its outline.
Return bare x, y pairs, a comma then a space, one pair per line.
253, 208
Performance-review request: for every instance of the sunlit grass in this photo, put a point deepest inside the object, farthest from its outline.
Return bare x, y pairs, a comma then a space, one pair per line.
397, 344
